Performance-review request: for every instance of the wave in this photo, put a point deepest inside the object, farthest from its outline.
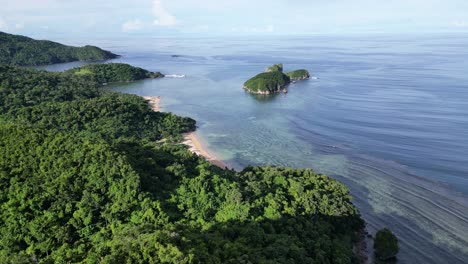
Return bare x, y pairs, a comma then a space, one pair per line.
175, 76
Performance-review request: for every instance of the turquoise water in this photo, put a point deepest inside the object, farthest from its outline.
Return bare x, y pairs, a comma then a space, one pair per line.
388, 117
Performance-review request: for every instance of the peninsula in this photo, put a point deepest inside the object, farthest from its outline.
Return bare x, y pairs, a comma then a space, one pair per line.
115, 72
24, 51
273, 80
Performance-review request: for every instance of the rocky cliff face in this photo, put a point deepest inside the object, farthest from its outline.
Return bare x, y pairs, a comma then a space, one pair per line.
278, 89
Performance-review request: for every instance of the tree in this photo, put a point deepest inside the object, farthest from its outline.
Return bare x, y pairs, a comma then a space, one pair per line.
24, 51
385, 244
92, 176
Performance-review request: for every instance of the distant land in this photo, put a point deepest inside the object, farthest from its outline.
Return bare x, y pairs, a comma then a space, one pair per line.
24, 51
115, 72
273, 80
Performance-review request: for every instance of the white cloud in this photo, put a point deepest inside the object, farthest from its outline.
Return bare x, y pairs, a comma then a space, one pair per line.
23, 5
3, 24
461, 24
164, 18
19, 25
132, 25
270, 28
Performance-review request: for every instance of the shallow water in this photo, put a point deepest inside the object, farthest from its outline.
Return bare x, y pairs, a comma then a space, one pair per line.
388, 117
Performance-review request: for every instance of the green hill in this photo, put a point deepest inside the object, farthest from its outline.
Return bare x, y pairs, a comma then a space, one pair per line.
24, 51
298, 75
115, 72
92, 176
274, 80
275, 67
267, 83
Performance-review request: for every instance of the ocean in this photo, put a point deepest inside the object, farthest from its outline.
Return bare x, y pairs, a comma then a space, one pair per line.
387, 116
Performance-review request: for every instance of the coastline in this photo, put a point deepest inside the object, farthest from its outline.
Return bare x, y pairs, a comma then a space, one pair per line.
190, 139
195, 146
153, 102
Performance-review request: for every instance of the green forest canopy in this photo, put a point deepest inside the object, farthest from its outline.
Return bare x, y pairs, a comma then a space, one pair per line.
275, 67
298, 74
273, 80
94, 176
115, 72
267, 82
24, 51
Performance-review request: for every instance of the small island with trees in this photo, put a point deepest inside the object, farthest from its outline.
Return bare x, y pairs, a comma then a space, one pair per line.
274, 80
298, 75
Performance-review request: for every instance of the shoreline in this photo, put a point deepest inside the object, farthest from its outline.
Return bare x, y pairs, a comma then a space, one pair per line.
190, 139
196, 146
153, 102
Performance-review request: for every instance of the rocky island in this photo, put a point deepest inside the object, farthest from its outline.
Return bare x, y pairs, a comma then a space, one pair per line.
298, 75
274, 80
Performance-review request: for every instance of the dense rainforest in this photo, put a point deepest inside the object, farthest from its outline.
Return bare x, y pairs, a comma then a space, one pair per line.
24, 51
92, 176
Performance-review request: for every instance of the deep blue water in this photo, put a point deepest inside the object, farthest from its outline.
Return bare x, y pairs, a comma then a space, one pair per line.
388, 117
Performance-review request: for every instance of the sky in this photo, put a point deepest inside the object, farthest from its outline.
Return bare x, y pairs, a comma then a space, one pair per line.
92, 18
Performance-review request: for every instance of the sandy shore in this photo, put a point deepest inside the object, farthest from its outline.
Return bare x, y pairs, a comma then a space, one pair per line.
153, 102
190, 139
195, 146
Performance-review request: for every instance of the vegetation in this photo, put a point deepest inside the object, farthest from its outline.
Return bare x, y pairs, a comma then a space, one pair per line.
24, 51
274, 80
74, 198
275, 67
267, 83
115, 72
26, 87
298, 75
92, 176
63, 101
385, 244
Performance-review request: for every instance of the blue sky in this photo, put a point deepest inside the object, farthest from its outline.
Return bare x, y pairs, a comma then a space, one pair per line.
230, 17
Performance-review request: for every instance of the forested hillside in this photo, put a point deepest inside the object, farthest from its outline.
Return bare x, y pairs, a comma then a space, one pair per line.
93, 176
115, 72
24, 51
